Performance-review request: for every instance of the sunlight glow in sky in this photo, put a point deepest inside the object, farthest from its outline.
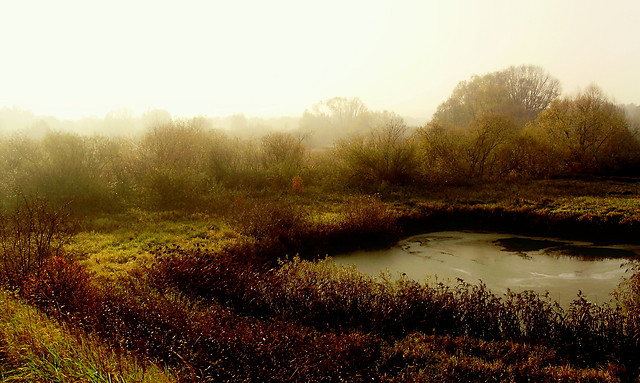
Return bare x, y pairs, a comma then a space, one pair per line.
75, 58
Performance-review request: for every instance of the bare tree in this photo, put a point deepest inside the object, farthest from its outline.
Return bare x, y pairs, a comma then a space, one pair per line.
531, 87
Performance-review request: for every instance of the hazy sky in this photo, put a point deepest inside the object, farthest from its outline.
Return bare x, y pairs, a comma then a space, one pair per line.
74, 58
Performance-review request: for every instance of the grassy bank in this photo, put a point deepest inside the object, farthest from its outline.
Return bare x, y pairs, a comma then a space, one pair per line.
605, 210
35, 348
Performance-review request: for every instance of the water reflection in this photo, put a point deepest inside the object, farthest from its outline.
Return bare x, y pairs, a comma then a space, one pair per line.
584, 252
503, 262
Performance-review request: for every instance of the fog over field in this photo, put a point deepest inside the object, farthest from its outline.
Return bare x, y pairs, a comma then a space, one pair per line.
87, 59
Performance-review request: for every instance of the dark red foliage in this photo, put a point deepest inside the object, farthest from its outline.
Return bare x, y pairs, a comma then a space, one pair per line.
209, 342
62, 287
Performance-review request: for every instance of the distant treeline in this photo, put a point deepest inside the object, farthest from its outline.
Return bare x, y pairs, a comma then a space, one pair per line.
505, 125
124, 122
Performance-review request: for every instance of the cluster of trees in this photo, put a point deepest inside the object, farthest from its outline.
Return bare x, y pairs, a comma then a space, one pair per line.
506, 124
513, 123
503, 125
175, 165
580, 135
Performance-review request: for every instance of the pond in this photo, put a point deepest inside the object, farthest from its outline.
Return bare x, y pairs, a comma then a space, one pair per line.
503, 261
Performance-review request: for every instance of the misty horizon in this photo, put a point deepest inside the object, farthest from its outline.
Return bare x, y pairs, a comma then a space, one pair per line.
74, 59
126, 121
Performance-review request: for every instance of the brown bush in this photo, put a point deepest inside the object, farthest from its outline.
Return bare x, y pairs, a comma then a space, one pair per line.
62, 287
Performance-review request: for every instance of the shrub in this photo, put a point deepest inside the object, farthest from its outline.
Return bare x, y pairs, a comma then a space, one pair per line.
62, 287
276, 227
428, 358
282, 157
29, 235
385, 156
264, 220
364, 222
173, 165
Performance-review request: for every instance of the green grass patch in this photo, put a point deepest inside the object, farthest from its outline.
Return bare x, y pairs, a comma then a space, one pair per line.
113, 246
35, 348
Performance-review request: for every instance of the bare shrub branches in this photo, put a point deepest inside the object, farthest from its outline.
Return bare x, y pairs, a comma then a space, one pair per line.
29, 234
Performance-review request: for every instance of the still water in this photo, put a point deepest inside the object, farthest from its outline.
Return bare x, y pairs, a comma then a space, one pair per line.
503, 261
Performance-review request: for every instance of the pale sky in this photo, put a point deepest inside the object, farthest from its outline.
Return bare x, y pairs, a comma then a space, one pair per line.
76, 58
